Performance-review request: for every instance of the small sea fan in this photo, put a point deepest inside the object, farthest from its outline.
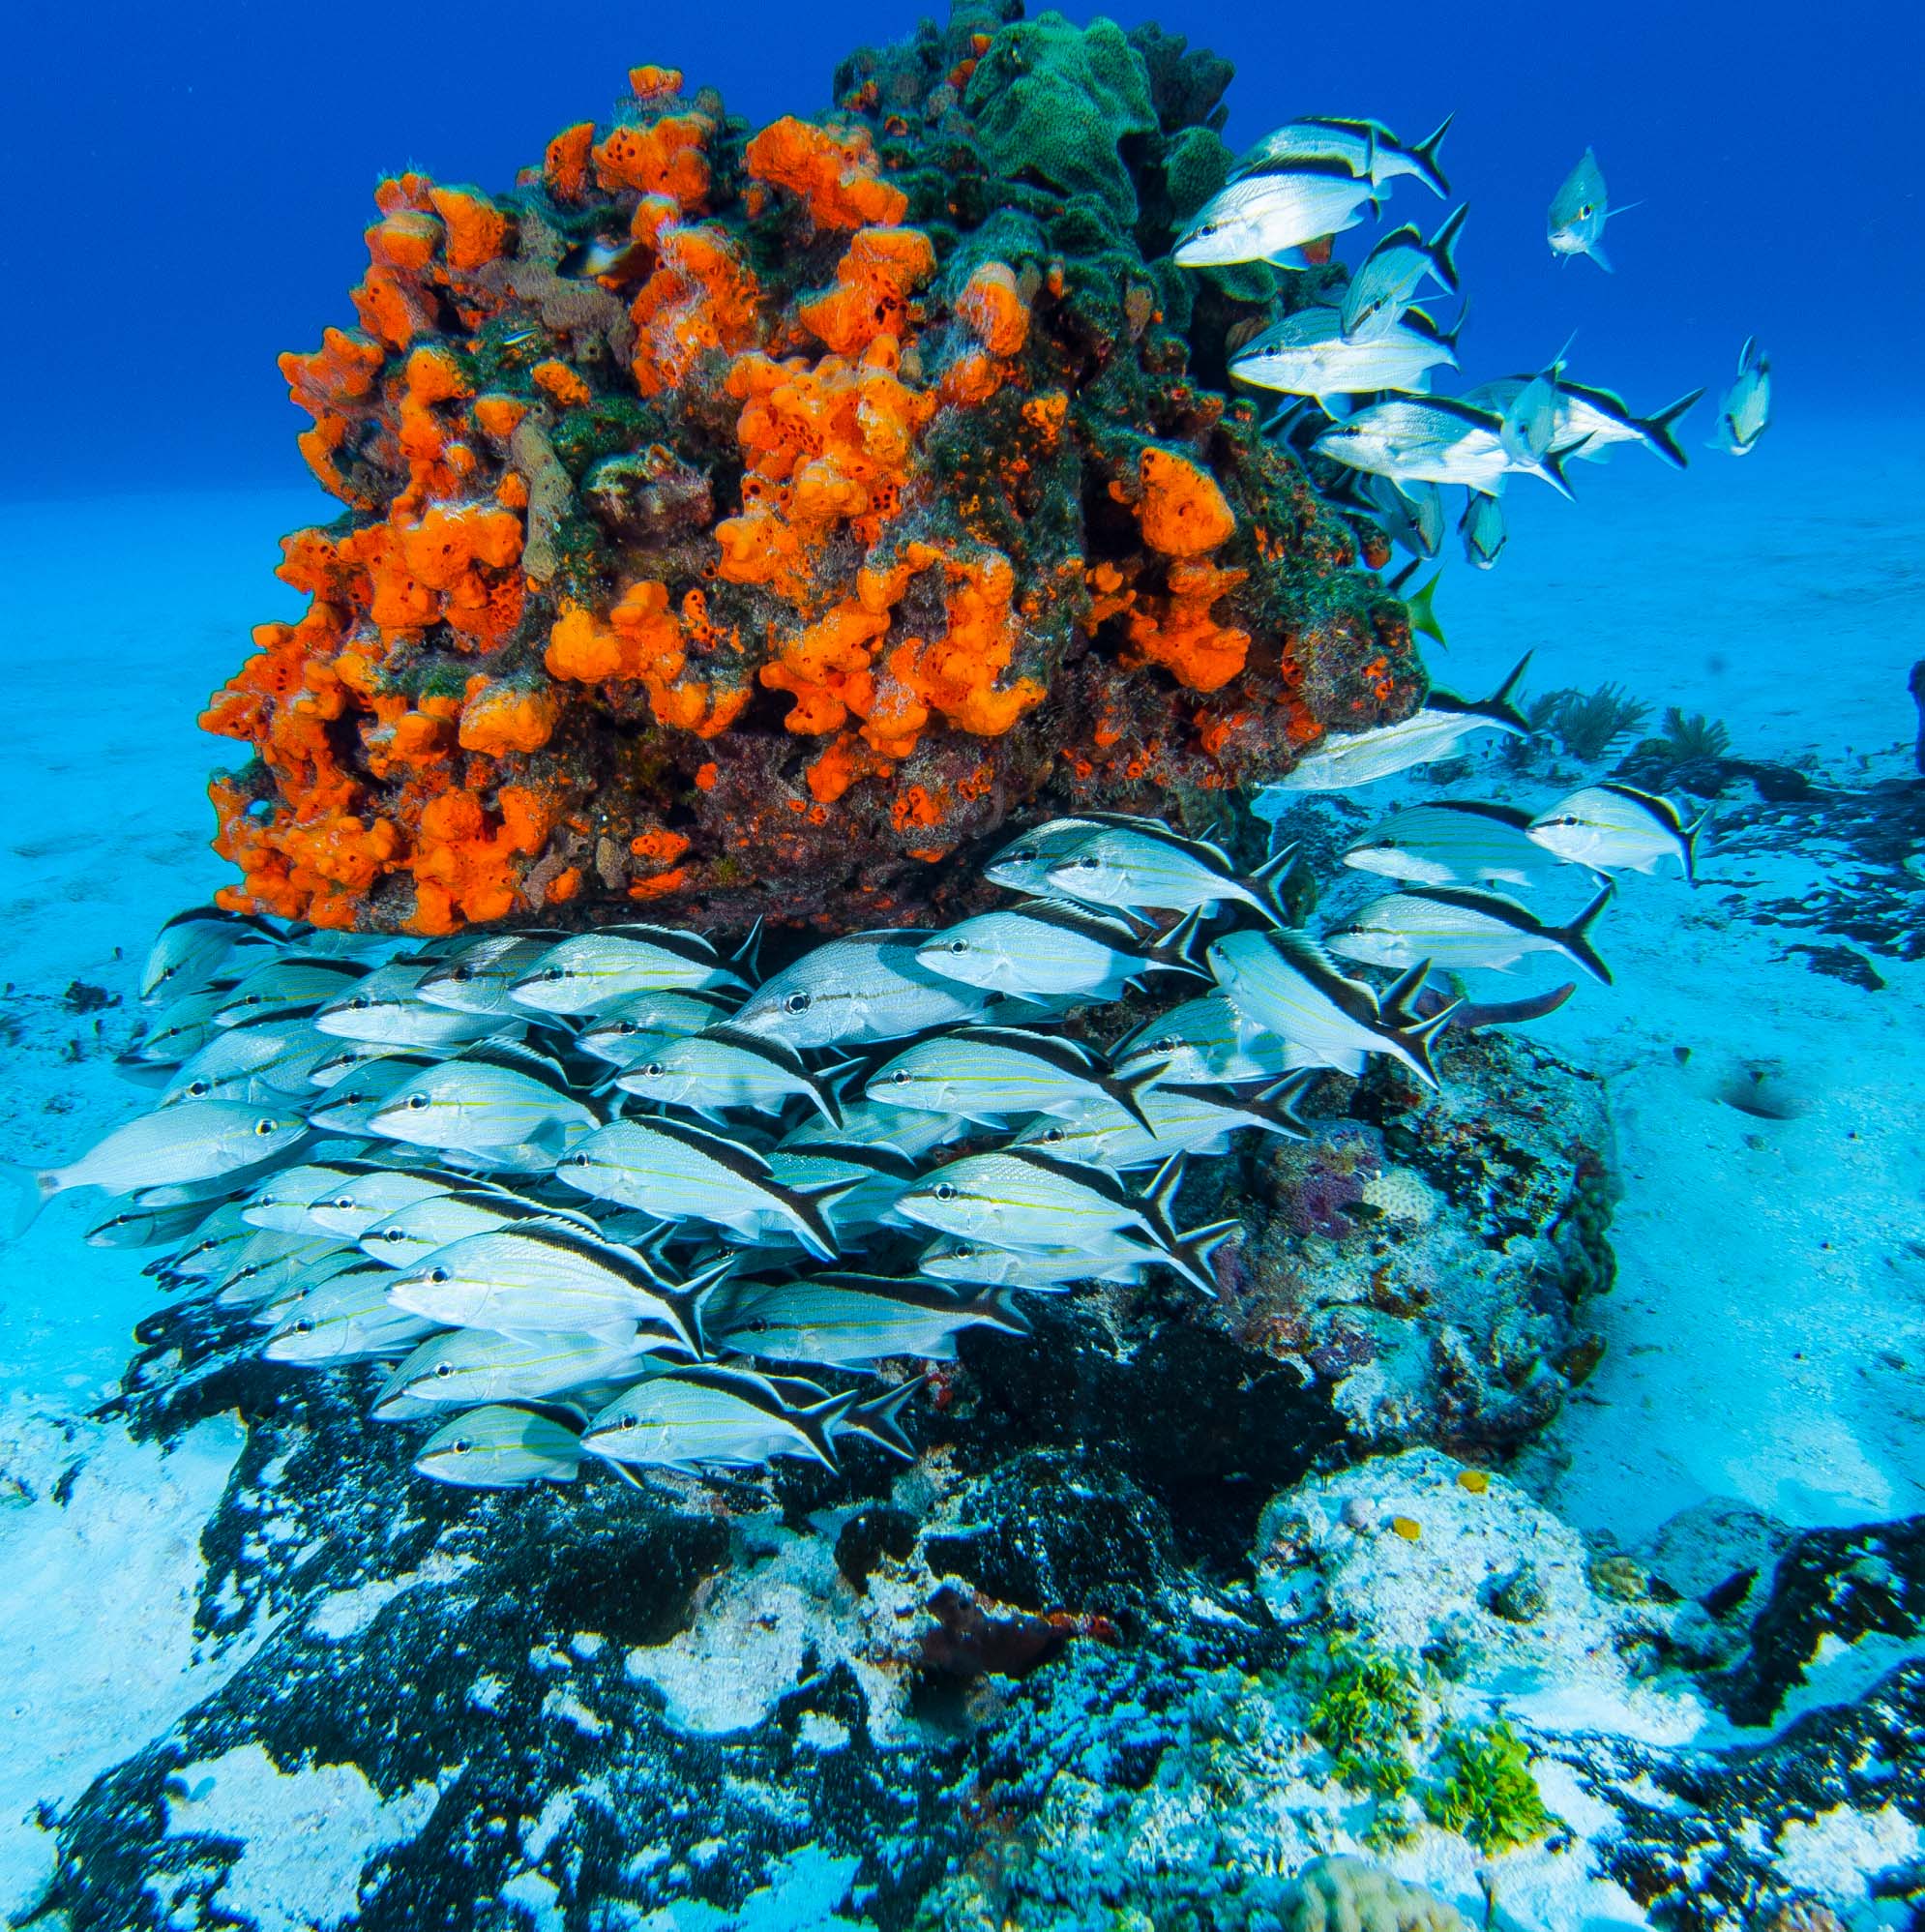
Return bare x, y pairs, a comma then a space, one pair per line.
1693, 736
1588, 724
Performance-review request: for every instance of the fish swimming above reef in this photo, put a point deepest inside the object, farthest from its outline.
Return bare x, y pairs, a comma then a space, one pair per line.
1307, 354
1482, 528
1435, 439
1745, 412
1287, 982
1366, 147
1617, 828
1456, 841
1433, 731
1579, 210
1458, 927
1389, 278
501, 1446
1273, 216
1590, 422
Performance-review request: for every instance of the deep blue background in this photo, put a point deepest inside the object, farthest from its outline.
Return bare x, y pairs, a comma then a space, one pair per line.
190, 182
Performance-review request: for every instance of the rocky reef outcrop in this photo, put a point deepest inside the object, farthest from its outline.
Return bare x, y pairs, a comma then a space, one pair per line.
741, 523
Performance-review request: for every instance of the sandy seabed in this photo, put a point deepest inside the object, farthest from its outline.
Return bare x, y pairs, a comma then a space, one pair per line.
1763, 1339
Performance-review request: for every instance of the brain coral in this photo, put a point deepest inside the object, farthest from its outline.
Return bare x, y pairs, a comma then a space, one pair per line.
743, 523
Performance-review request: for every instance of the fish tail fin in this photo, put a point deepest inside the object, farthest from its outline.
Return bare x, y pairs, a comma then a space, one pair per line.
1576, 936
1656, 429
808, 1204
749, 954
688, 1300
1397, 1002
1267, 881
879, 1418
1441, 247
1276, 1104
1179, 1255
1691, 834
998, 1308
24, 1193
1425, 155
1127, 1091
1416, 1040
1501, 707
1448, 337
1160, 1194
1423, 613
1551, 467
1176, 951
817, 1424
1204, 1242
824, 1098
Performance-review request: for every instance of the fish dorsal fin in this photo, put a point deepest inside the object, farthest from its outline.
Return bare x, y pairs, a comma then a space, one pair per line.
1513, 816
513, 1057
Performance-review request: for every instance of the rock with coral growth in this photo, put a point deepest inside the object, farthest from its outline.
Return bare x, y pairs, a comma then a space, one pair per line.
745, 524
1353, 1896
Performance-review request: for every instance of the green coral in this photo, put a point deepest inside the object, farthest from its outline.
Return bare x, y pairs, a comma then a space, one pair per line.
1488, 1793
1366, 1711
1054, 103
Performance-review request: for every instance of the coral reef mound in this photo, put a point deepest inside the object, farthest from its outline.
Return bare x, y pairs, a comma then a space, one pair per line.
741, 523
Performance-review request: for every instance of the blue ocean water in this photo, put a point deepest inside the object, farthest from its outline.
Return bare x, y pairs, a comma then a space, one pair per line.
187, 1604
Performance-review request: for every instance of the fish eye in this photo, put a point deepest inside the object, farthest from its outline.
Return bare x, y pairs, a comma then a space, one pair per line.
1086, 864
460, 972
958, 945
1584, 213
796, 1003
304, 1326
344, 1201
945, 1190
624, 1421
461, 1447
264, 1127
577, 1160
444, 1369
1051, 1135
622, 1028
654, 1070
437, 1274
1022, 855
902, 1076
416, 1102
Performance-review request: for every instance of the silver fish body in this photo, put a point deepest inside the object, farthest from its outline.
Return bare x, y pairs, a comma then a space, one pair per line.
1366, 147
285, 984
347, 1208
1272, 217
1389, 278
1461, 927
989, 1073
854, 992
1579, 210
591, 970
178, 1029
1590, 421
1038, 948
477, 979
349, 1105
194, 1141
1307, 354
724, 1071
463, 1366
1202, 1039
1180, 1120
871, 1124
1455, 841
874, 1176
534, 1278
1433, 731
500, 1446
1119, 868
386, 1008
195, 946
345, 1319
409, 1237
709, 1417
1412, 514
631, 1027
676, 1172
1288, 983
257, 1062
853, 1321
1482, 528
1432, 439
1022, 865
1618, 828
483, 1102
1744, 413
1121, 1258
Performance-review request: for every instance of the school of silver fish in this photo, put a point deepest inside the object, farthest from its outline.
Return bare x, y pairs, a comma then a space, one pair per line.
1367, 362
613, 1199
